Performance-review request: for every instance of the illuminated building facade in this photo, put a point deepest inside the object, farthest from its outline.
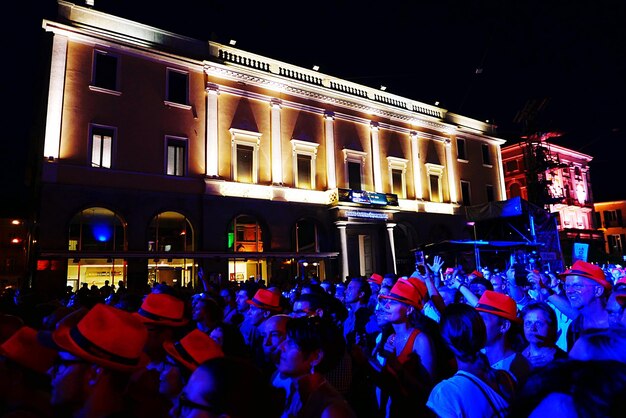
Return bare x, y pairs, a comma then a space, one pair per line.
609, 218
163, 154
558, 179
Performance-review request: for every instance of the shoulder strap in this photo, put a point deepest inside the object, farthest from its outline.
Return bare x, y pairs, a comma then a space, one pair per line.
496, 411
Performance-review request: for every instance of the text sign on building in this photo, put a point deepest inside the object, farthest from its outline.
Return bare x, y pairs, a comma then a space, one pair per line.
366, 214
367, 198
580, 251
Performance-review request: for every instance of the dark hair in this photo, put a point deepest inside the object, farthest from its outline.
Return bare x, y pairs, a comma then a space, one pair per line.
463, 331
596, 387
481, 280
315, 333
364, 287
238, 388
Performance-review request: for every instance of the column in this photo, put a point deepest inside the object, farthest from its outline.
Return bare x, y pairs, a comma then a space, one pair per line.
331, 175
452, 181
417, 166
392, 245
277, 155
52, 141
343, 239
212, 156
378, 179
502, 191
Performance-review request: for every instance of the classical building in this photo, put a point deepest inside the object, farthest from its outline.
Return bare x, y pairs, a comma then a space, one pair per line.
558, 179
164, 154
609, 218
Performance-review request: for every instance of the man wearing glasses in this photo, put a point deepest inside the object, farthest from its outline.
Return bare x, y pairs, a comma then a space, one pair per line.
587, 290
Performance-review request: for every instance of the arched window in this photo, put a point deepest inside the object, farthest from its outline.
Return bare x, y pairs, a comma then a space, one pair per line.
245, 235
97, 229
170, 232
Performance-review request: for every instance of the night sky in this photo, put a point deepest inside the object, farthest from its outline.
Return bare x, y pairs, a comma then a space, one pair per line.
489, 60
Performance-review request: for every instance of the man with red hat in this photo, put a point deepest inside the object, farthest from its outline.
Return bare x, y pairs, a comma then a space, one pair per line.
499, 313
263, 305
97, 355
375, 281
587, 290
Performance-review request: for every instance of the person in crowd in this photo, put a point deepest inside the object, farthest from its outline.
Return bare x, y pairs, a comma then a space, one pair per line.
207, 313
498, 282
24, 382
340, 292
615, 307
263, 305
600, 344
231, 313
313, 346
573, 388
478, 284
183, 358
476, 389
540, 332
229, 337
375, 281
587, 290
241, 300
227, 387
164, 317
273, 332
106, 289
499, 312
329, 287
389, 279
356, 300
96, 357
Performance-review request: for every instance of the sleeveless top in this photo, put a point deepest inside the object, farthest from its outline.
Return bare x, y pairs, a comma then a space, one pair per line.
408, 346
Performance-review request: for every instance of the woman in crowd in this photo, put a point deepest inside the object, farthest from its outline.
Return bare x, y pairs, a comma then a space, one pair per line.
313, 346
540, 331
476, 389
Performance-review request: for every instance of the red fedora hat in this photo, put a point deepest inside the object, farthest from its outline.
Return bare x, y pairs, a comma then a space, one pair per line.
24, 348
107, 336
376, 278
162, 309
589, 271
411, 291
266, 299
498, 304
193, 349
477, 274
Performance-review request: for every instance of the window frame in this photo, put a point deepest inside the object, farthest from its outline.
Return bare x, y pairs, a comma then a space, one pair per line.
309, 149
435, 170
168, 97
247, 138
399, 164
486, 155
97, 127
460, 147
356, 157
183, 142
469, 193
94, 71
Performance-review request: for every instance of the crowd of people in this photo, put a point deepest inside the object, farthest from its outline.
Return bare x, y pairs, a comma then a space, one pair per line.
437, 343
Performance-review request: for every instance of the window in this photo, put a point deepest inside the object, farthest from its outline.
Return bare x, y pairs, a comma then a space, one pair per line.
177, 86
486, 155
245, 235
435, 171
306, 237
105, 71
490, 194
613, 218
460, 149
304, 156
465, 193
397, 175
245, 155
511, 166
176, 156
354, 161
101, 146
616, 244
